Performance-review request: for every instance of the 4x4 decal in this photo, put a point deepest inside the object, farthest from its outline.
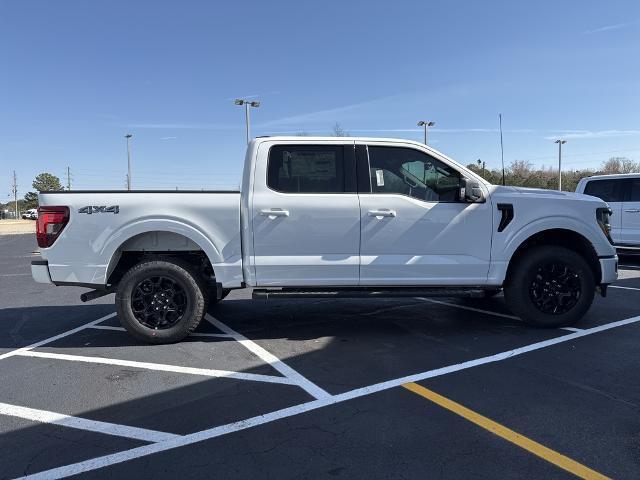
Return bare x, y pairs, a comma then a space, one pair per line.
101, 209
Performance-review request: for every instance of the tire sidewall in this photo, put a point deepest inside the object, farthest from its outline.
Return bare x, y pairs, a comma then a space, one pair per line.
182, 275
517, 289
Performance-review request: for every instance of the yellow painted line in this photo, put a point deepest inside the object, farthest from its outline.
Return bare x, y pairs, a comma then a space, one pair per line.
537, 449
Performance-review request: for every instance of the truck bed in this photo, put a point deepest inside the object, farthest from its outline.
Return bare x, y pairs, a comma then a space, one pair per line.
103, 224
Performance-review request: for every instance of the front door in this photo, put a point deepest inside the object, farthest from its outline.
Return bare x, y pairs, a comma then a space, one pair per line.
415, 231
306, 215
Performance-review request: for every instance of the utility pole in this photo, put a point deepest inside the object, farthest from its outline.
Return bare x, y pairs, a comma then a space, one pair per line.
481, 164
68, 178
14, 190
128, 137
426, 125
560, 142
247, 104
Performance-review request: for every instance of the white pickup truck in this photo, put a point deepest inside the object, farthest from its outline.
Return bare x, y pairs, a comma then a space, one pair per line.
328, 217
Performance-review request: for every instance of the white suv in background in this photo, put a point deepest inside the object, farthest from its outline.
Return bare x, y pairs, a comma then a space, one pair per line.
622, 193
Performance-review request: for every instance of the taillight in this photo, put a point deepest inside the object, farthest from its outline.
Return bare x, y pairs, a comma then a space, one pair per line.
51, 221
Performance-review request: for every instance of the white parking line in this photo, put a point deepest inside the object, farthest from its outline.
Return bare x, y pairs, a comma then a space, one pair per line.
44, 416
464, 307
624, 288
112, 459
206, 372
295, 377
55, 337
571, 329
194, 334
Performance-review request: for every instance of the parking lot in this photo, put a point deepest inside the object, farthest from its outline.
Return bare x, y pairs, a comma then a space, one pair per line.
410, 388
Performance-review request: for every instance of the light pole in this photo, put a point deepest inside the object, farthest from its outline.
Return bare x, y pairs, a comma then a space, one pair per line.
247, 104
426, 125
560, 142
128, 137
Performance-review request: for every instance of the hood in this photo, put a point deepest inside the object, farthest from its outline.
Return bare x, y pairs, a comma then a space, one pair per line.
543, 193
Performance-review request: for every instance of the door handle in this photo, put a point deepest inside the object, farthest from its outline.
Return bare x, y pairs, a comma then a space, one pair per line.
633, 210
274, 213
382, 213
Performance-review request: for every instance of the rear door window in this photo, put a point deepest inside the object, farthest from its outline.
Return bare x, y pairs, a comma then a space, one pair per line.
307, 169
608, 190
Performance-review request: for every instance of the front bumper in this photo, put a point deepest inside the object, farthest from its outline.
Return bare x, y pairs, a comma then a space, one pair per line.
40, 271
609, 268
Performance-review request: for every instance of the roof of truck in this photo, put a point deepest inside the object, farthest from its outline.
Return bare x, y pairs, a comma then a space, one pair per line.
613, 175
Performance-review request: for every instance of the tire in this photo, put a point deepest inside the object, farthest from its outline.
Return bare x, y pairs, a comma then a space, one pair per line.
550, 286
161, 301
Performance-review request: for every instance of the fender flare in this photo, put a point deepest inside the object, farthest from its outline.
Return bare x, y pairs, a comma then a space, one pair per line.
517, 238
116, 239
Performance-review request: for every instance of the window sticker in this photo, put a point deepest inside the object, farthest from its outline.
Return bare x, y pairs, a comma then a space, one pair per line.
380, 178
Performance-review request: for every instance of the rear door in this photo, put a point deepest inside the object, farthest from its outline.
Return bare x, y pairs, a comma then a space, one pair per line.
631, 214
415, 231
612, 191
305, 215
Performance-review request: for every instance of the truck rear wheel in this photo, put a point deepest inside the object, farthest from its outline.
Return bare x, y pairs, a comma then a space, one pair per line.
550, 286
161, 301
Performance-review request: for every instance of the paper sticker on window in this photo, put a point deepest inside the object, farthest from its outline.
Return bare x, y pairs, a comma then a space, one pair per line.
380, 178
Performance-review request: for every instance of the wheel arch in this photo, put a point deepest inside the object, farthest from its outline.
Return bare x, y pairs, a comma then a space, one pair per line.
153, 237
558, 237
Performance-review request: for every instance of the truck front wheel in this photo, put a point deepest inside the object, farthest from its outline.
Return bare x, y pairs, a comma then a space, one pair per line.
161, 301
550, 286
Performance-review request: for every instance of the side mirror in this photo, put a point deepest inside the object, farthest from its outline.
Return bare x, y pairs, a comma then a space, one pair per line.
470, 191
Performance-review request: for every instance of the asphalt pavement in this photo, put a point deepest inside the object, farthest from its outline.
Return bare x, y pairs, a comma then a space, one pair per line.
289, 389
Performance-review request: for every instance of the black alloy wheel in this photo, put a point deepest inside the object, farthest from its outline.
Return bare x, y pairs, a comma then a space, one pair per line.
159, 302
555, 289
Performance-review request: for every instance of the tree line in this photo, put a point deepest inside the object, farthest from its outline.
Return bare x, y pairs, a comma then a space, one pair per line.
521, 173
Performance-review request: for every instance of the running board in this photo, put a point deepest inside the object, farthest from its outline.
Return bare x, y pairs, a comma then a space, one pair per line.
626, 247
367, 292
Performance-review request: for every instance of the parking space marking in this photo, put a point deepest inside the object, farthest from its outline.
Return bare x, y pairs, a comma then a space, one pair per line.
551, 456
56, 337
624, 288
112, 459
295, 377
206, 372
571, 329
60, 419
194, 334
473, 309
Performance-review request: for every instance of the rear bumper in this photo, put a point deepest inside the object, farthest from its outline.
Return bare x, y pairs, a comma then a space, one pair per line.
40, 271
609, 268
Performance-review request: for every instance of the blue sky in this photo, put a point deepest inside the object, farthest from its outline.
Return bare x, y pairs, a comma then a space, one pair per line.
77, 75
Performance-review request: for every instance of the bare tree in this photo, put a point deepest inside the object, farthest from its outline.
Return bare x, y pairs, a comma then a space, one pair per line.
338, 131
620, 165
